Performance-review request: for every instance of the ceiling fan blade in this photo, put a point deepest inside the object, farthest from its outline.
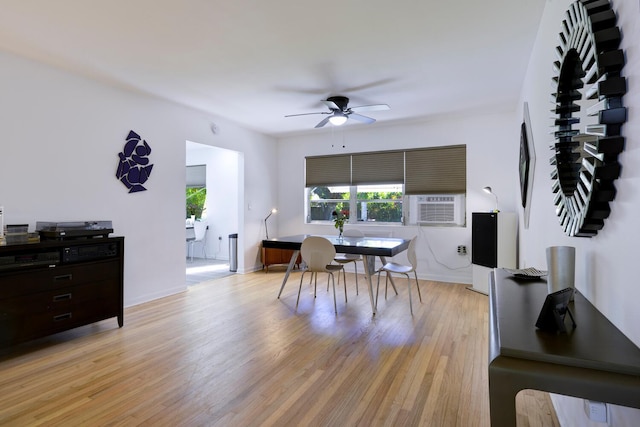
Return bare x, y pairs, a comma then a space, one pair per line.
361, 118
332, 105
323, 122
375, 107
307, 114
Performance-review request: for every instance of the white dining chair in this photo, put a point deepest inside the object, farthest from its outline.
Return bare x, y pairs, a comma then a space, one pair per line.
318, 253
347, 258
396, 268
199, 235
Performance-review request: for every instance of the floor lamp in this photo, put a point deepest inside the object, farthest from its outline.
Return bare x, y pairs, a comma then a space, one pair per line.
266, 231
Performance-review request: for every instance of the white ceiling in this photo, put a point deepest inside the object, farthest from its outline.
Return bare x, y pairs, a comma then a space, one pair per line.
254, 61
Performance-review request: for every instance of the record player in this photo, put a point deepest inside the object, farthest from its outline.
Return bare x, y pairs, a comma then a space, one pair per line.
73, 229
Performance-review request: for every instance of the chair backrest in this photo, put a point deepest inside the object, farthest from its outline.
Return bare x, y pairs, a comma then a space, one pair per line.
190, 233
411, 253
200, 229
317, 252
352, 232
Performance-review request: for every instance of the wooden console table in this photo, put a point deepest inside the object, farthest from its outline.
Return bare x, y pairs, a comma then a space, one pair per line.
593, 361
276, 256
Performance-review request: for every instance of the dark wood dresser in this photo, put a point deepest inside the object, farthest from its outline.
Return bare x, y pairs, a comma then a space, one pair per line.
52, 286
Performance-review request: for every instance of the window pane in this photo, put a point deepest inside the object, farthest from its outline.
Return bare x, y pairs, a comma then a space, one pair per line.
196, 199
379, 203
323, 201
380, 212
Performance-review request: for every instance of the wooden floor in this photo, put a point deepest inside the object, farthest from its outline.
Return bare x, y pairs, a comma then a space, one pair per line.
229, 353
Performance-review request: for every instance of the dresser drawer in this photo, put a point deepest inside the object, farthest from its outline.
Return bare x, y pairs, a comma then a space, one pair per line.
20, 283
26, 315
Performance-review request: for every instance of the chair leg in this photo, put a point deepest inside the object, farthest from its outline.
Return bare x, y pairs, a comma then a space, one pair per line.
333, 282
409, 287
377, 289
392, 285
386, 284
300, 289
345, 284
344, 274
355, 266
314, 276
416, 274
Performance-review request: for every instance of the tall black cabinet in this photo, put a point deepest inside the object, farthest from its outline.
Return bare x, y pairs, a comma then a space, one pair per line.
493, 244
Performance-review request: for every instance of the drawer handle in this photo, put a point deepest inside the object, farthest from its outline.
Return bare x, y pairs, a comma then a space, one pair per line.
61, 317
62, 297
63, 277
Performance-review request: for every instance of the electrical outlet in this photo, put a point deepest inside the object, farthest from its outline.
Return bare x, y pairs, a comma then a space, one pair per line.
462, 250
596, 411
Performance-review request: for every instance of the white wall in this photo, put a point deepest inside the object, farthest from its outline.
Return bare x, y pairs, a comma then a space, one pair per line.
605, 264
492, 159
61, 134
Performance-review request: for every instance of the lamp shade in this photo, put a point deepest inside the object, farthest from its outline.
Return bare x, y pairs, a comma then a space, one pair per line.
489, 191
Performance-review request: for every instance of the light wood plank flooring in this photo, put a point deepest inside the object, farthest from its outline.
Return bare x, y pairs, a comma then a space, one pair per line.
229, 353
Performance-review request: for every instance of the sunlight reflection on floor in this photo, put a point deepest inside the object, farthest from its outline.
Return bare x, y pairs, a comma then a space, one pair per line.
207, 268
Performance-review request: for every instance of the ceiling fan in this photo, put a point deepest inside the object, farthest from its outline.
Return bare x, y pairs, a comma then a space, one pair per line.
339, 111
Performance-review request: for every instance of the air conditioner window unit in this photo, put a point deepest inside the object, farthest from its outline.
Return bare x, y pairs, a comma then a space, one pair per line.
438, 209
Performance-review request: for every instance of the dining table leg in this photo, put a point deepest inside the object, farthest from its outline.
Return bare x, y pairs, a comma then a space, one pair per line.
292, 262
369, 269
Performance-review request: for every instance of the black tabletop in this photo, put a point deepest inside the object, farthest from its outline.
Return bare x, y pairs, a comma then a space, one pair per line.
376, 246
595, 343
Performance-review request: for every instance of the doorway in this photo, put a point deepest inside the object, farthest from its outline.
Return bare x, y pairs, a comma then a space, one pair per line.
212, 212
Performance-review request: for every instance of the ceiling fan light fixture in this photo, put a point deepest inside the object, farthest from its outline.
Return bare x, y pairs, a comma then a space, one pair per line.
338, 118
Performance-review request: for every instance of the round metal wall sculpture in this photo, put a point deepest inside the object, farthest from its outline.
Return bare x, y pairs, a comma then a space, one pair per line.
588, 116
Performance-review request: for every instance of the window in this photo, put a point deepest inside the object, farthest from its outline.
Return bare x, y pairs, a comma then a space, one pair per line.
374, 203
196, 192
373, 187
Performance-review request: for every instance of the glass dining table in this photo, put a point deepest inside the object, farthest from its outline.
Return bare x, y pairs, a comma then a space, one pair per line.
368, 247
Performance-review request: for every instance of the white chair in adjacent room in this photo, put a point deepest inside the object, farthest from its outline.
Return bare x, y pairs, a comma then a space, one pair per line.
395, 268
347, 258
317, 253
200, 236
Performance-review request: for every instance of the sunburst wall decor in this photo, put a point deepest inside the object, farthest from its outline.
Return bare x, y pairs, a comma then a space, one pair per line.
588, 116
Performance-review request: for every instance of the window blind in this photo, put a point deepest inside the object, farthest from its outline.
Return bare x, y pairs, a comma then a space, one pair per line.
328, 170
196, 176
433, 170
437, 170
385, 167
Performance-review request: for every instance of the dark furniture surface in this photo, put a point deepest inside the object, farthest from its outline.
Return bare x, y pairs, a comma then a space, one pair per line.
592, 361
52, 286
484, 239
376, 246
368, 247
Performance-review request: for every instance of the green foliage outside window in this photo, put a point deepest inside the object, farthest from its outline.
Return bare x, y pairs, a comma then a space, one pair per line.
379, 206
196, 198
